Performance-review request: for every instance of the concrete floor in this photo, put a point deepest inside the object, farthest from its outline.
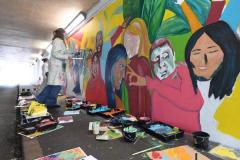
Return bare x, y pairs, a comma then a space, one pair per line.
8, 123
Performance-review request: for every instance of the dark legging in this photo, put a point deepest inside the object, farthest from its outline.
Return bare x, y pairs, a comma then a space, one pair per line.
49, 95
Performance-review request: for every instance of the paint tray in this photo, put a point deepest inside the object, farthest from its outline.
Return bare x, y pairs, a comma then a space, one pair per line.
112, 112
88, 106
99, 109
163, 131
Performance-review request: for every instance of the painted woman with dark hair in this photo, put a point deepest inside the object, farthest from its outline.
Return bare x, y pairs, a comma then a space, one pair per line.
114, 75
212, 55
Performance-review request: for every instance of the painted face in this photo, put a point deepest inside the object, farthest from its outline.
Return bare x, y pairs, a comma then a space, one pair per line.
132, 44
95, 67
163, 61
206, 57
99, 41
119, 73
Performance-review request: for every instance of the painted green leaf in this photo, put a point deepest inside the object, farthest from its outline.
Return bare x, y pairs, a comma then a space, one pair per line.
152, 13
178, 24
200, 8
132, 8
175, 8
173, 26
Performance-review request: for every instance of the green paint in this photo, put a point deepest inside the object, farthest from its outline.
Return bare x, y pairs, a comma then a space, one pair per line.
130, 129
152, 13
124, 97
179, 42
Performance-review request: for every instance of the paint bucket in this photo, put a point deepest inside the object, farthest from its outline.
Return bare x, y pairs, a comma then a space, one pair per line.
130, 134
96, 127
143, 120
201, 139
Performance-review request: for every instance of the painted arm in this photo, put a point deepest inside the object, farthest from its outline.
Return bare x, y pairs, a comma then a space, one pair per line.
119, 31
183, 97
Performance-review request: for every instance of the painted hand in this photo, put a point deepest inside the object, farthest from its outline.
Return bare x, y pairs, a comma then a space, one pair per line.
140, 81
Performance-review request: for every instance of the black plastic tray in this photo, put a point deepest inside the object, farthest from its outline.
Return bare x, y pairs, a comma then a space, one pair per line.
163, 137
89, 111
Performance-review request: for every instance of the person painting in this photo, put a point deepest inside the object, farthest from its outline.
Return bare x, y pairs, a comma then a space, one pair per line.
136, 42
45, 68
56, 71
173, 99
213, 55
114, 75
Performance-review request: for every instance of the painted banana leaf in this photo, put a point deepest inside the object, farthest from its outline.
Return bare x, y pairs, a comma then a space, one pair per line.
175, 8
200, 8
173, 26
152, 13
132, 8
178, 24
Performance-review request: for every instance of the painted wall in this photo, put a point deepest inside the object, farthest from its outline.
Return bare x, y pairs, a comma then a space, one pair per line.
174, 62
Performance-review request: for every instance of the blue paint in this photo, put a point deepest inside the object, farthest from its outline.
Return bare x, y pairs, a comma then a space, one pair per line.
160, 129
231, 14
165, 158
100, 109
103, 59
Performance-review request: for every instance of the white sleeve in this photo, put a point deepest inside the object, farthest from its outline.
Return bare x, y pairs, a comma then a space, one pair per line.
59, 50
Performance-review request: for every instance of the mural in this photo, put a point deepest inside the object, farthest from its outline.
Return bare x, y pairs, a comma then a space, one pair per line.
175, 61
170, 86
96, 83
136, 42
115, 74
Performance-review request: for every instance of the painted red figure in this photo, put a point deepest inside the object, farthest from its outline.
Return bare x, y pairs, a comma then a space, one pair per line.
95, 91
139, 97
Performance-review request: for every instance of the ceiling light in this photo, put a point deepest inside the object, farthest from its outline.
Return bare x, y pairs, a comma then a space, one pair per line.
75, 22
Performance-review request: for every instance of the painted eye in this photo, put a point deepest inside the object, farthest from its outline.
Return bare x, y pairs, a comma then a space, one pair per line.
122, 66
156, 59
165, 55
196, 53
214, 51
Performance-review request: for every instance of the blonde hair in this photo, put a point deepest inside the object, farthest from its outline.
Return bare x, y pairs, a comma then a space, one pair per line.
139, 28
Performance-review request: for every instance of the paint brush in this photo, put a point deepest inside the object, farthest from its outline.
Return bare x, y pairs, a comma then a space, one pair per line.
145, 150
136, 140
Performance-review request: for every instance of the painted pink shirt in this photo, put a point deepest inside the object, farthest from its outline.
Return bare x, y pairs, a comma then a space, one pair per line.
174, 101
